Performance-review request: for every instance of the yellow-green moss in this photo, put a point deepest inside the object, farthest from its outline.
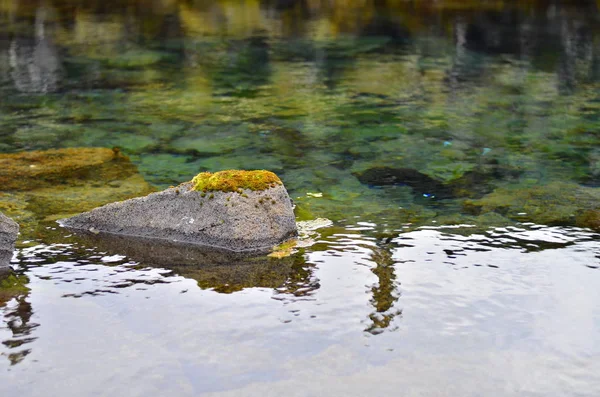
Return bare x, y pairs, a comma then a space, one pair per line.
234, 180
284, 249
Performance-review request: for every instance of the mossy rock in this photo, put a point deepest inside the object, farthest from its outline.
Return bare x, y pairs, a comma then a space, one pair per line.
46, 185
32, 170
234, 210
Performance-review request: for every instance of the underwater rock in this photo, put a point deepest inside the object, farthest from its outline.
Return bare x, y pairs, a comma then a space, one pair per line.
556, 203
482, 180
52, 184
8, 235
232, 210
419, 182
26, 171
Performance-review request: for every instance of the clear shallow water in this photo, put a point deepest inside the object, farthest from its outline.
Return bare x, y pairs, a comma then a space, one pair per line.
465, 99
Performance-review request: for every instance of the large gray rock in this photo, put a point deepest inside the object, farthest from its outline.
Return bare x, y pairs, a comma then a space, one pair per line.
241, 220
8, 235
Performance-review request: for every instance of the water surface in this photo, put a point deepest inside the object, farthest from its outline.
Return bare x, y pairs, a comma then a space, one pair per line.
461, 269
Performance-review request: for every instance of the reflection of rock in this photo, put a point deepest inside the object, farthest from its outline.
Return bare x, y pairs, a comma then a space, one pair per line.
8, 235
35, 65
224, 271
12, 286
57, 183
16, 315
234, 210
34, 61
557, 203
385, 293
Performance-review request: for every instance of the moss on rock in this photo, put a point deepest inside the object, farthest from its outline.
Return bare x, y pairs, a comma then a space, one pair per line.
235, 180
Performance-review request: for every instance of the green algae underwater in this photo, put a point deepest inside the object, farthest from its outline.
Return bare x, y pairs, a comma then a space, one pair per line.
445, 157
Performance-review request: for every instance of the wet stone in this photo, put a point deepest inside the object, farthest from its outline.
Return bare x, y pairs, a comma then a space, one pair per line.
232, 210
8, 235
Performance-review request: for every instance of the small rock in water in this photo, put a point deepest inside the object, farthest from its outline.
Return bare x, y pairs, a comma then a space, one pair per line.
9, 230
233, 210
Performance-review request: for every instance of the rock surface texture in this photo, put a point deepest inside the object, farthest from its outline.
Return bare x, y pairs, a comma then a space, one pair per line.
8, 235
233, 210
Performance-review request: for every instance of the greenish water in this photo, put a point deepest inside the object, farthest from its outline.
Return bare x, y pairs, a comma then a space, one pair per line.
454, 145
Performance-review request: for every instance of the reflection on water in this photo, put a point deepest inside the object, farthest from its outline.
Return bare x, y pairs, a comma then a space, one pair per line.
441, 303
16, 316
34, 60
385, 293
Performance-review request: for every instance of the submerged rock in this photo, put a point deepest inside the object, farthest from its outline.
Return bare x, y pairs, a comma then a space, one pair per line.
51, 184
8, 235
419, 182
474, 183
232, 210
556, 203
25, 171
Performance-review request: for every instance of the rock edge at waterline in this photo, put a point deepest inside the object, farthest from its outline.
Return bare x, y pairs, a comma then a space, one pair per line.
9, 230
232, 210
